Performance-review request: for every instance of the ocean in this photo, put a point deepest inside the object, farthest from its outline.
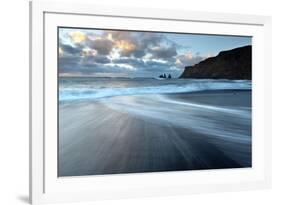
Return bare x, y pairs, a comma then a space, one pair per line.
133, 125
89, 88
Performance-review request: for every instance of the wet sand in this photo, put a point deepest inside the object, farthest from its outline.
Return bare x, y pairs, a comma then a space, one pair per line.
97, 137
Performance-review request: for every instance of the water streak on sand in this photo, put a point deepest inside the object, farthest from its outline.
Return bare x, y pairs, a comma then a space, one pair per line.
205, 119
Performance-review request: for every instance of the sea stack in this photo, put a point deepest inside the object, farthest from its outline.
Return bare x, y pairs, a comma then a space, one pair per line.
230, 64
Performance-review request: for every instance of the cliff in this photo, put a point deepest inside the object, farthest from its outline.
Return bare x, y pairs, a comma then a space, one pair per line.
230, 64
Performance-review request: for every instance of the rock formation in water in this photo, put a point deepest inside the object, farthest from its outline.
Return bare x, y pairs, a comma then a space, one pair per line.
165, 76
230, 64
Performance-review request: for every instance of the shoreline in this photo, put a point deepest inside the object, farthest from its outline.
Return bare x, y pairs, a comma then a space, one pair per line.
234, 97
120, 135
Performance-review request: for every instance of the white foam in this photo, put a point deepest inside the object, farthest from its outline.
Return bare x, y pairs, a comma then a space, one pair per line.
82, 93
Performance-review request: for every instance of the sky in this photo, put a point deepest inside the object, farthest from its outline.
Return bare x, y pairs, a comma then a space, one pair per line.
114, 53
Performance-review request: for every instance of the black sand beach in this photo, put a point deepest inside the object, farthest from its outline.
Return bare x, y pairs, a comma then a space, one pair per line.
172, 132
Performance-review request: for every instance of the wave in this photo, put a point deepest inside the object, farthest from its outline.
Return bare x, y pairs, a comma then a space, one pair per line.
85, 93
217, 121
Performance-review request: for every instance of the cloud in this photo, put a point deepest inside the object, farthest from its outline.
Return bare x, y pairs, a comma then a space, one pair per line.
93, 59
68, 49
121, 52
147, 66
150, 39
163, 52
188, 59
133, 44
88, 52
77, 36
102, 46
125, 42
126, 47
135, 62
68, 64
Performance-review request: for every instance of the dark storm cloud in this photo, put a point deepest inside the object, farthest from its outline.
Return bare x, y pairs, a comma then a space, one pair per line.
150, 39
138, 53
83, 67
102, 46
70, 49
89, 60
68, 61
68, 64
163, 52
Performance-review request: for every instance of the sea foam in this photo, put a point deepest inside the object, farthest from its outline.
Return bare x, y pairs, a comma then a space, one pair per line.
87, 92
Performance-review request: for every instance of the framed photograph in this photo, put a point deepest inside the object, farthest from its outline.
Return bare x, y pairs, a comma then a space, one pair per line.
129, 102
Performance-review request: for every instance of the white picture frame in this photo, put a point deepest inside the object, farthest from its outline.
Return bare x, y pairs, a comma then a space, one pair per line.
46, 187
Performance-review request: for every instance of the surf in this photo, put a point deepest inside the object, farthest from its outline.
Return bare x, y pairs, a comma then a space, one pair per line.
87, 92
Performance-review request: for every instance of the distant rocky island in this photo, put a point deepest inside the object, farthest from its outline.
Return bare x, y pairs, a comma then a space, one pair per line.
165, 76
230, 64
